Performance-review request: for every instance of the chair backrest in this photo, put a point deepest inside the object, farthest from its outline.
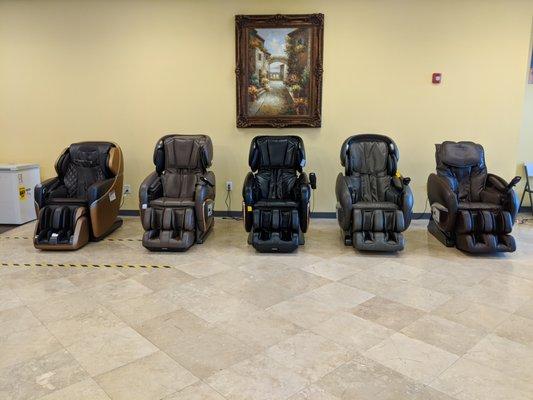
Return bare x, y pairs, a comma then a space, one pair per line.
85, 163
277, 160
179, 159
463, 165
371, 161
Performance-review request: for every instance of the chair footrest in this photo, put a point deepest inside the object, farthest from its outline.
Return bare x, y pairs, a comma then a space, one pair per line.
168, 240
274, 242
378, 241
61, 227
485, 243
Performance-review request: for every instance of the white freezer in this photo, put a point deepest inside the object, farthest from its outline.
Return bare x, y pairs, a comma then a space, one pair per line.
17, 184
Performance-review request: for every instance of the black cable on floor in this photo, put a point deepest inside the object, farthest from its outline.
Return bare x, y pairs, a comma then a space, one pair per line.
423, 212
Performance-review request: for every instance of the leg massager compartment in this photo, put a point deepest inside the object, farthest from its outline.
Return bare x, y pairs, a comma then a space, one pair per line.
275, 230
378, 230
484, 231
62, 227
169, 228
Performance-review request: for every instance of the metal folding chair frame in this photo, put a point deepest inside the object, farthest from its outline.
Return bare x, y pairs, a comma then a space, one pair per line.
528, 169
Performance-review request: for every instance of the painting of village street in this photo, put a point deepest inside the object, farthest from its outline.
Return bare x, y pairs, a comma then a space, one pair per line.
278, 71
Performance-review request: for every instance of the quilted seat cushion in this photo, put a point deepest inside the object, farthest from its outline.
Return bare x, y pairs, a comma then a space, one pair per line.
478, 206
276, 204
172, 202
382, 205
68, 201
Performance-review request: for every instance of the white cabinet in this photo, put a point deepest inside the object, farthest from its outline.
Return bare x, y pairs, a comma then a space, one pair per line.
17, 184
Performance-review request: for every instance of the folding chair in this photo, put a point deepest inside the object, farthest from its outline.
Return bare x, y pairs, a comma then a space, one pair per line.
528, 169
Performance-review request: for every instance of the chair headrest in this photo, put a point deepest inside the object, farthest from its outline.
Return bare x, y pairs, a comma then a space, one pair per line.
183, 152
277, 152
369, 153
89, 154
460, 154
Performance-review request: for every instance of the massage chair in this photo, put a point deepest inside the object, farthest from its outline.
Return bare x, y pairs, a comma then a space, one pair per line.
374, 202
82, 202
276, 194
470, 208
177, 199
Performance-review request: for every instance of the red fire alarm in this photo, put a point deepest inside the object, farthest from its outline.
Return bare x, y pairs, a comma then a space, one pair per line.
436, 78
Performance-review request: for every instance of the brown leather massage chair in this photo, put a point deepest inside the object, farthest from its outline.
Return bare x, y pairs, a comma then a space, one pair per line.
374, 202
177, 199
470, 208
276, 194
82, 202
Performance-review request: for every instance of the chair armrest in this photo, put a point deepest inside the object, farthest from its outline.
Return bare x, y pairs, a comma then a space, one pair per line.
498, 191
98, 189
302, 188
495, 182
440, 192
151, 188
248, 193
208, 179
205, 188
302, 194
407, 205
204, 196
405, 198
42, 190
248, 200
346, 194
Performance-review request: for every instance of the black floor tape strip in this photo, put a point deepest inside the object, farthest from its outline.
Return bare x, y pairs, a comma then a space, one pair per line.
12, 264
105, 240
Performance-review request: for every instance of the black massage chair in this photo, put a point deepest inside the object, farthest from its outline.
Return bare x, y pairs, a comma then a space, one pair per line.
374, 202
470, 208
82, 202
177, 200
276, 196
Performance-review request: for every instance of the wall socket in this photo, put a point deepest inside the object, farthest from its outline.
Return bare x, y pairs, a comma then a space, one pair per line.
127, 190
229, 186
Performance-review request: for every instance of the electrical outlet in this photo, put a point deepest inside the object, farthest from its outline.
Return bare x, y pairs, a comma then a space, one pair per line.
127, 190
229, 186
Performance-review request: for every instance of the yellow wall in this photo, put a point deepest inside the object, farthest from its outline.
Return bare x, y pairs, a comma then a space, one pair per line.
525, 151
131, 71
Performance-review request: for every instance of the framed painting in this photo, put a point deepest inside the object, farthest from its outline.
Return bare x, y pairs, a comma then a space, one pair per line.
279, 70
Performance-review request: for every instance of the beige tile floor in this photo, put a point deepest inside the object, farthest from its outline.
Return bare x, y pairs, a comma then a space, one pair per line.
226, 322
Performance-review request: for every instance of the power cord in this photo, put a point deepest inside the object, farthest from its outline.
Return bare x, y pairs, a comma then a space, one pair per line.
423, 212
227, 201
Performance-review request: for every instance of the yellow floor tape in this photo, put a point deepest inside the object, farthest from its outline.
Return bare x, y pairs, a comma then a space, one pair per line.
11, 264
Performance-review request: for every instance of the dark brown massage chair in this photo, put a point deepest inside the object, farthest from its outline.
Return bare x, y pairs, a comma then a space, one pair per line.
83, 201
276, 194
471, 209
374, 202
177, 199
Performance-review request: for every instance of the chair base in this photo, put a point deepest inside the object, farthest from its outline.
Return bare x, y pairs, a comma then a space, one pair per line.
447, 239
117, 224
201, 236
275, 244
